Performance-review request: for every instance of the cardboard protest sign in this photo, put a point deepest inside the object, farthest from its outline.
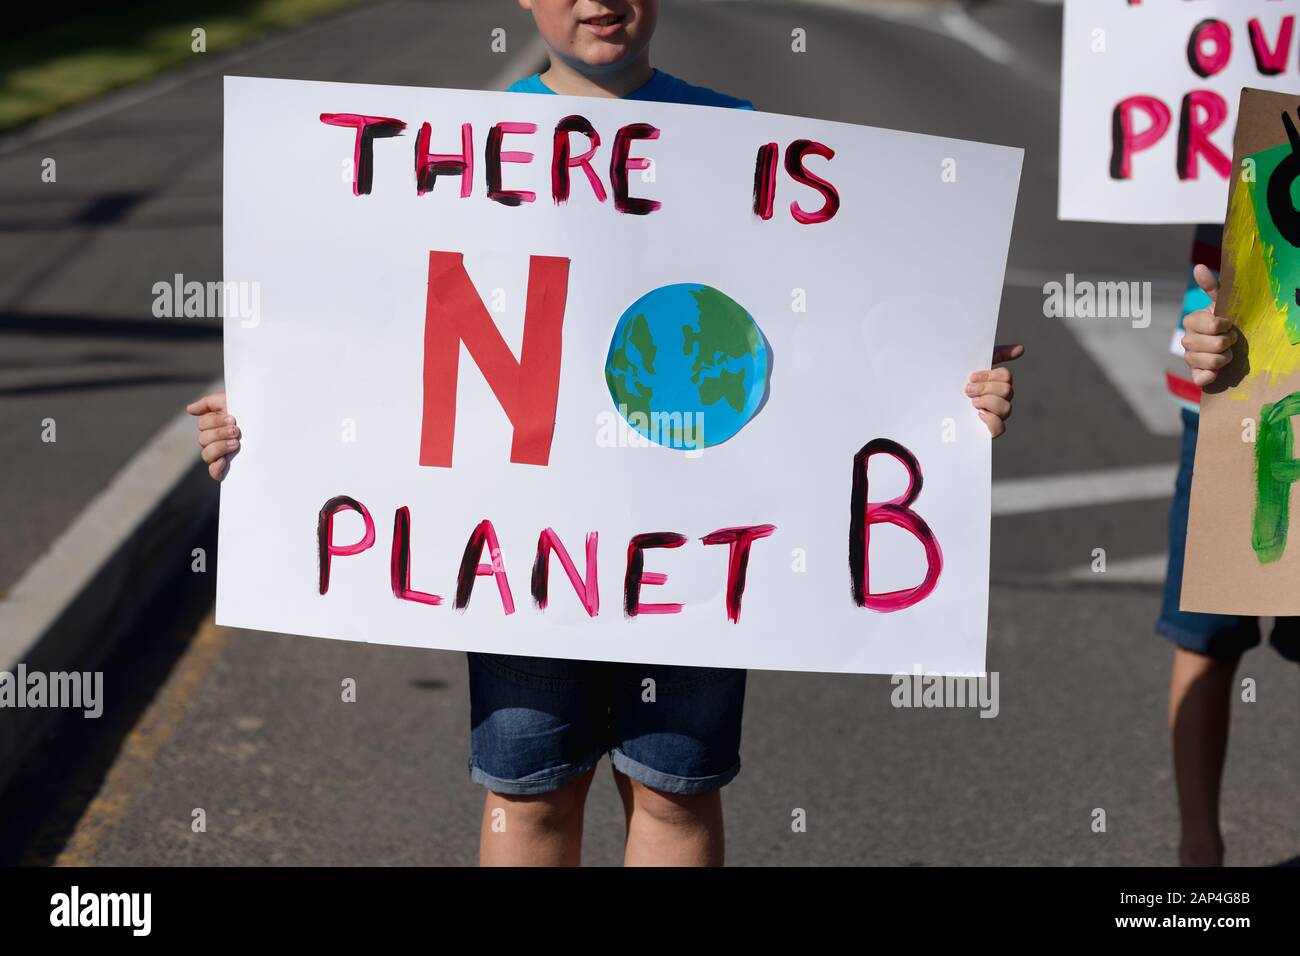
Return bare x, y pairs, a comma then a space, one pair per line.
609, 380
1238, 560
1148, 94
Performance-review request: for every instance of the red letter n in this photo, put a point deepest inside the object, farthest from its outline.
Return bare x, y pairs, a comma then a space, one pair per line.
527, 389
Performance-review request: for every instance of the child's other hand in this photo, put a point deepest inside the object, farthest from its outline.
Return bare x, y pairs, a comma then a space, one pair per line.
1208, 338
991, 390
218, 433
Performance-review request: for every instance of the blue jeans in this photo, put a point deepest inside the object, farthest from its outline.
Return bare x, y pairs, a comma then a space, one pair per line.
537, 723
1222, 636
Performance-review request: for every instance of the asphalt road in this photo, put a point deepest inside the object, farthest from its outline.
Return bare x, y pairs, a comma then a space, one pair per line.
250, 728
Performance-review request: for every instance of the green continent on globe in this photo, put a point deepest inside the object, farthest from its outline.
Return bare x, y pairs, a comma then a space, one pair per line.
728, 386
630, 395
687, 366
725, 330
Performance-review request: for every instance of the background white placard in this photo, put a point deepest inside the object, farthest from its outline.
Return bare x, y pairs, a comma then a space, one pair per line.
1115, 49
902, 289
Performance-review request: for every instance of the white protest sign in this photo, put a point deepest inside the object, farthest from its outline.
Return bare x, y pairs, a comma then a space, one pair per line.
673, 419
1149, 92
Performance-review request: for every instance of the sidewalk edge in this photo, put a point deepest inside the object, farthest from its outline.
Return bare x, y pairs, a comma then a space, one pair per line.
75, 602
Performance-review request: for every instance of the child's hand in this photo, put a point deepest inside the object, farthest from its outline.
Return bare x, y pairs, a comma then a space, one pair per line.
991, 391
218, 433
1208, 338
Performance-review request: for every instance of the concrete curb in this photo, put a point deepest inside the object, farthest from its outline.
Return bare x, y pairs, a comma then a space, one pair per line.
83, 594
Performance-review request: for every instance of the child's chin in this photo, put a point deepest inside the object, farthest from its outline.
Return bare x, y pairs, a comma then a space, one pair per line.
603, 55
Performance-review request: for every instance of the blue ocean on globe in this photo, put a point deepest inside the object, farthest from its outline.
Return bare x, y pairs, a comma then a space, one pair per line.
688, 366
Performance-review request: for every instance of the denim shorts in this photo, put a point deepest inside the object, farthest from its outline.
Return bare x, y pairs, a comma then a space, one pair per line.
1222, 636
539, 722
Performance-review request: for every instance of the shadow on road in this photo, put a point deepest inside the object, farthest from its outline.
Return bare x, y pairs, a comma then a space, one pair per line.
83, 384
44, 801
55, 324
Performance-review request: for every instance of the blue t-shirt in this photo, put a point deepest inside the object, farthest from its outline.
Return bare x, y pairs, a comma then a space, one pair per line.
660, 88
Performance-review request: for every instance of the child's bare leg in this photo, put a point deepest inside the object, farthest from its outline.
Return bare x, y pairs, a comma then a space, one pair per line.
543, 829
1200, 709
669, 829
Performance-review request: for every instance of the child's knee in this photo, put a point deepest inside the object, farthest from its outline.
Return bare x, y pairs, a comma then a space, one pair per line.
675, 808
1200, 663
550, 810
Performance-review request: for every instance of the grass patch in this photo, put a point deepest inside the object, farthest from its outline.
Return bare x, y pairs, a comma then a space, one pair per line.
51, 66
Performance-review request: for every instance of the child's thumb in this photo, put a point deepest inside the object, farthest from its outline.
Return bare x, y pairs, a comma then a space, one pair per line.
1208, 281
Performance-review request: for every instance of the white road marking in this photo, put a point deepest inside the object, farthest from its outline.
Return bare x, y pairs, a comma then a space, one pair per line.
964, 29
948, 18
1082, 489
1144, 569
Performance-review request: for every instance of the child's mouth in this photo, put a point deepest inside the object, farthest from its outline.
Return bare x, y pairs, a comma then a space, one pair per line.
605, 25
